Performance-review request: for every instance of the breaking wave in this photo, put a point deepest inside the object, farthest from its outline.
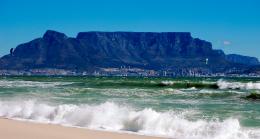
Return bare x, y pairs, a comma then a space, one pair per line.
114, 117
220, 84
167, 83
188, 85
11, 84
238, 85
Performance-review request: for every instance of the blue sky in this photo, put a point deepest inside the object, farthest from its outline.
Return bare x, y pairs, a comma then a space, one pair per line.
231, 25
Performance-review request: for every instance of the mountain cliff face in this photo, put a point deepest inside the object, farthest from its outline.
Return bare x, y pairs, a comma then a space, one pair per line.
242, 59
90, 50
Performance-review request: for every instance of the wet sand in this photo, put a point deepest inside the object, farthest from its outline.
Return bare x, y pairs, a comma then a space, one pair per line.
11, 129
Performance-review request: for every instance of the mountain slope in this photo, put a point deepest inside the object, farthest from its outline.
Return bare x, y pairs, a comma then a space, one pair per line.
242, 59
91, 50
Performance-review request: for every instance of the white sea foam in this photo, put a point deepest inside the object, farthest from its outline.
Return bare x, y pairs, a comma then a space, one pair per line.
113, 117
171, 91
205, 91
237, 85
167, 82
190, 89
17, 83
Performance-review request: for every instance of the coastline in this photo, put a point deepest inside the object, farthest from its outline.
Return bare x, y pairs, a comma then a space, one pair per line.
13, 129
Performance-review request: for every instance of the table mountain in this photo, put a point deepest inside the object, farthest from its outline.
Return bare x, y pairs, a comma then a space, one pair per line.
91, 50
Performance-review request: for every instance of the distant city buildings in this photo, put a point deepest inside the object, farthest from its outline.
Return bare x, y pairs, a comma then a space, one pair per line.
128, 71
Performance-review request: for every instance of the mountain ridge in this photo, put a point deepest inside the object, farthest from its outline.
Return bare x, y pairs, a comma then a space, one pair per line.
95, 49
235, 58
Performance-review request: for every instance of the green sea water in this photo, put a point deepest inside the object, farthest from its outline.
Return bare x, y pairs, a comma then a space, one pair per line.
169, 107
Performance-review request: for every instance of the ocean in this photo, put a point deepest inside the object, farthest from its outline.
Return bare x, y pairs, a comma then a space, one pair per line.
179, 108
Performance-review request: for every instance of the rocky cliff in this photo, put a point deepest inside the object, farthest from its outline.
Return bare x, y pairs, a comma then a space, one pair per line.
90, 50
242, 59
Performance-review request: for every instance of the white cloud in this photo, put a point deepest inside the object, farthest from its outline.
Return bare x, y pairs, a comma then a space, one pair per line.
226, 42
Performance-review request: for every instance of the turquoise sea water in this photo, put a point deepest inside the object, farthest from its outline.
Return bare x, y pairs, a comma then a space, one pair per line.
182, 108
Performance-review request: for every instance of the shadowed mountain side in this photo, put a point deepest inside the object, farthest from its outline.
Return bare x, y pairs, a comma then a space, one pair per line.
242, 59
90, 50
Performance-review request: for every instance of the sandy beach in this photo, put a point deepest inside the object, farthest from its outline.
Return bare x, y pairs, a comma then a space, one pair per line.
11, 129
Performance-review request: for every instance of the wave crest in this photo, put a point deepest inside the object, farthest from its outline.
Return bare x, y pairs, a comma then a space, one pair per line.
110, 116
237, 85
11, 84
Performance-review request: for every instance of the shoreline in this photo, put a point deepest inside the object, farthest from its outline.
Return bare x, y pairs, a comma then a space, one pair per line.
16, 129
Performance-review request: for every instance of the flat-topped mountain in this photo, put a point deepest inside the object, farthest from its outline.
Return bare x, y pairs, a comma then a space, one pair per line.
91, 50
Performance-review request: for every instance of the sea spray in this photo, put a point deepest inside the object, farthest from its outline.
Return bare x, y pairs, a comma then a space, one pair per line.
114, 117
237, 85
